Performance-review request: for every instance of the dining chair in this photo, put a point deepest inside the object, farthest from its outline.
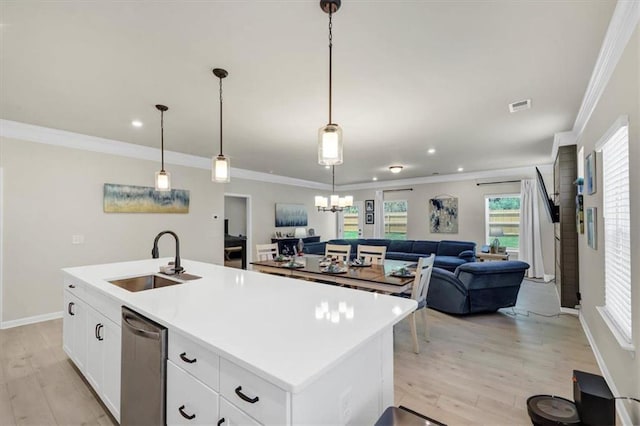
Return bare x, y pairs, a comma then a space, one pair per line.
267, 251
372, 254
419, 294
339, 251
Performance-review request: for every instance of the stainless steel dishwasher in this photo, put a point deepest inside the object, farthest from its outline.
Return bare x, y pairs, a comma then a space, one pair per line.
144, 365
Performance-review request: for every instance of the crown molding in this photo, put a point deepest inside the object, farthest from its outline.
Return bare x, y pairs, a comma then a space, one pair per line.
623, 23
562, 139
512, 173
63, 138
56, 137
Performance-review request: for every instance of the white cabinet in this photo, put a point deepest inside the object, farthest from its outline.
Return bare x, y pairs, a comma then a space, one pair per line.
232, 416
103, 359
74, 325
189, 401
92, 341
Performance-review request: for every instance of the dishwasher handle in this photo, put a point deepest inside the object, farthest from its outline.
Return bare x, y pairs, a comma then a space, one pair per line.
126, 317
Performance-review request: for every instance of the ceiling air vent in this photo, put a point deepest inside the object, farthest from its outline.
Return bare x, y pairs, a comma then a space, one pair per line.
520, 105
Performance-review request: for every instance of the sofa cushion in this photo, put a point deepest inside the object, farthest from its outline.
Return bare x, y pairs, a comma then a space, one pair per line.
398, 255
454, 248
424, 246
375, 242
405, 246
450, 263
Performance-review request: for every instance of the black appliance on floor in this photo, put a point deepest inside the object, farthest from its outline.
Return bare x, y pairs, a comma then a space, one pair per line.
594, 404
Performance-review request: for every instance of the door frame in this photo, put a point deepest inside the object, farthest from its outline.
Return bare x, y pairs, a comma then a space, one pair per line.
248, 210
2, 216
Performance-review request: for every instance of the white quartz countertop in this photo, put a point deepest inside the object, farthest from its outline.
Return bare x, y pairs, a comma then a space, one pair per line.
274, 326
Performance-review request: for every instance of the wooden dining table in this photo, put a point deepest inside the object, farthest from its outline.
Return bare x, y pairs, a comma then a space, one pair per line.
379, 278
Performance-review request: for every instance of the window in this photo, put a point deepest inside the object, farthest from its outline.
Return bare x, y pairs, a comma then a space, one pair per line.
617, 231
502, 214
395, 220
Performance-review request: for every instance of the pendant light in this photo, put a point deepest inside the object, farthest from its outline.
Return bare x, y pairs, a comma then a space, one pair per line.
334, 203
163, 179
330, 136
220, 165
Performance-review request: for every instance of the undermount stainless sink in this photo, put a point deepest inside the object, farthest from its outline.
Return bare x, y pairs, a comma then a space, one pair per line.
144, 282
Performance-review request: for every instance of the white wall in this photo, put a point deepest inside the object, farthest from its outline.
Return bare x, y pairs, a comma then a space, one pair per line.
235, 210
621, 97
52, 193
264, 197
471, 216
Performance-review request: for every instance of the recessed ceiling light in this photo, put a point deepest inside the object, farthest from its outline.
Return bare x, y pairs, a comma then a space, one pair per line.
136, 123
431, 151
395, 169
374, 178
460, 169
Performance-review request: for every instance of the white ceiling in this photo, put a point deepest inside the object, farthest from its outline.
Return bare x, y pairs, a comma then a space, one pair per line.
408, 76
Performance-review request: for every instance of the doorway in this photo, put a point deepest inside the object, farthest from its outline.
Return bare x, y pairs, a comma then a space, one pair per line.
237, 230
351, 221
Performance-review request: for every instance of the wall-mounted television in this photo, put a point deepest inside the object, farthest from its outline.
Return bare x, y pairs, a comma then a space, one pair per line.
553, 211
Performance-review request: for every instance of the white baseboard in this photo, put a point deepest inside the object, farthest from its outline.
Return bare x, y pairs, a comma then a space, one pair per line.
548, 277
30, 320
570, 311
621, 409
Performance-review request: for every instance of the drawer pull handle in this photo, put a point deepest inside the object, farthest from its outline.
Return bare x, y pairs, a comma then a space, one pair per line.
221, 421
185, 415
245, 397
71, 304
183, 356
72, 286
98, 328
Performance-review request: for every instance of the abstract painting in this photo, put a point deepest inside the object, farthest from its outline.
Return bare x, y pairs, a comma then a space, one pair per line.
144, 199
291, 215
443, 215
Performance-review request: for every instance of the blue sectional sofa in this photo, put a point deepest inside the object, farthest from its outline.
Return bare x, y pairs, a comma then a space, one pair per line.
449, 254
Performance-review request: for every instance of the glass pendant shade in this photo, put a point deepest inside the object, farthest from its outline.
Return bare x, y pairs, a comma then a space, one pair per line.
330, 145
334, 200
221, 169
321, 201
348, 200
163, 181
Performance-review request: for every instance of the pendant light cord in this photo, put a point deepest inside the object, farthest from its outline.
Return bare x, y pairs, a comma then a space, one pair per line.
330, 57
162, 139
333, 179
220, 116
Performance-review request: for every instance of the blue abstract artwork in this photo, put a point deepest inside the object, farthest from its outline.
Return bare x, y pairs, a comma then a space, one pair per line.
144, 199
291, 215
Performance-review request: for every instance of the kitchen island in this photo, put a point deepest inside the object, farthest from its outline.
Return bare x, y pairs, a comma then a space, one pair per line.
303, 352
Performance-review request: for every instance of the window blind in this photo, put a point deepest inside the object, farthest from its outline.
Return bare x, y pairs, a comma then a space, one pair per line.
617, 230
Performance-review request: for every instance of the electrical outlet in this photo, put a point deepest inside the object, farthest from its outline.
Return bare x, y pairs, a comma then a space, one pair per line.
77, 239
345, 406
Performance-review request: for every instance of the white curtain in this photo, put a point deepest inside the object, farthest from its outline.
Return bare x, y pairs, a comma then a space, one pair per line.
378, 224
530, 240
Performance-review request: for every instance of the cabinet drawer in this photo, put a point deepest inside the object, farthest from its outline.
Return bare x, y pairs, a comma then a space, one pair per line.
189, 401
193, 358
265, 402
74, 286
234, 417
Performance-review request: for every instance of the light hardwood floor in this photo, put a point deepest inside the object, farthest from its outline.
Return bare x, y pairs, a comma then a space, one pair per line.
474, 370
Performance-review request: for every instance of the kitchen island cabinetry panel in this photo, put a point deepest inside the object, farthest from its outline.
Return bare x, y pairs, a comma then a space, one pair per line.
251, 348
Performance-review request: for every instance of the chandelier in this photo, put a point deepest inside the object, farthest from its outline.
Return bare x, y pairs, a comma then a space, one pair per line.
334, 203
